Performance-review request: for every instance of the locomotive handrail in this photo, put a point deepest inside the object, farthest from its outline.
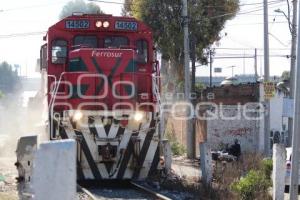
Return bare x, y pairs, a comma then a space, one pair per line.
52, 76
51, 105
52, 100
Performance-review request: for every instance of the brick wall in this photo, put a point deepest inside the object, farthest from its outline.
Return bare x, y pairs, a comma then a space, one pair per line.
220, 131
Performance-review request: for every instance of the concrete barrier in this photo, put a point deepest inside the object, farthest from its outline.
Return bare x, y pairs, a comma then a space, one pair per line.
26, 149
205, 163
279, 162
54, 171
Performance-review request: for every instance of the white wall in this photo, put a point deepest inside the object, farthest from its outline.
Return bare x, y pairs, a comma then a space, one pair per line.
276, 106
226, 131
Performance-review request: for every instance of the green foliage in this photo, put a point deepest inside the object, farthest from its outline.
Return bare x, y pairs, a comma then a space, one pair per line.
126, 10
177, 148
285, 75
1, 94
252, 185
79, 6
206, 19
267, 167
8, 78
199, 87
255, 183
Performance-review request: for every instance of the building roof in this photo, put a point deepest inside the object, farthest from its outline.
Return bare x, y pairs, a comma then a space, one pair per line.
240, 79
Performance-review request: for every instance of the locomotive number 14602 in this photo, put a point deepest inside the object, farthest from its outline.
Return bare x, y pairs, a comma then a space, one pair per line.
77, 24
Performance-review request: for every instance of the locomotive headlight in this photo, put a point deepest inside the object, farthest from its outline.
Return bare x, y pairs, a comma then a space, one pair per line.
105, 24
77, 116
138, 116
98, 24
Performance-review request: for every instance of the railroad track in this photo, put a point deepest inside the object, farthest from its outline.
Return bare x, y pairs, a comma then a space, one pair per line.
145, 193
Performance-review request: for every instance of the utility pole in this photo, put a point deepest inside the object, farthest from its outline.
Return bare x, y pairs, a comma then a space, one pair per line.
193, 58
255, 64
189, 138
296, 129
193, 91
266, 79
293, 64
210, 68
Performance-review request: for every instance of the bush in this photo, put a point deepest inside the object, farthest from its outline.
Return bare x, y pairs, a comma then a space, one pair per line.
177, 148
267, 167
251, 186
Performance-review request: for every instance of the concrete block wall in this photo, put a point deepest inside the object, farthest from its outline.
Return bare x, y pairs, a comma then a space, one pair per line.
221, 132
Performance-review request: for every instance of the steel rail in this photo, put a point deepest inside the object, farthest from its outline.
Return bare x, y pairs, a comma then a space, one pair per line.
149, 191
134, 186
87, 192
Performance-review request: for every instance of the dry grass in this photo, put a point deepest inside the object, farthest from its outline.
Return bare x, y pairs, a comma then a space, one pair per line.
6, 196
225, 173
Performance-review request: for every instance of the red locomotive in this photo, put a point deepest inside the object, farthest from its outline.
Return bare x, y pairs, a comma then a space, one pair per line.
103, 91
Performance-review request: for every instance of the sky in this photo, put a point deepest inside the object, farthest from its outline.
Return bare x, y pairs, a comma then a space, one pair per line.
23, 24
245, 33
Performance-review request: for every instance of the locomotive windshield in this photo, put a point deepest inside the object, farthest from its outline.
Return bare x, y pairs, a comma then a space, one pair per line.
59, 51
88, 41
142, 51
115, 41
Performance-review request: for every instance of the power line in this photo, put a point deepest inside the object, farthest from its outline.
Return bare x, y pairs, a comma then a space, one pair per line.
22, 34
243, 57
256, 23
121, 3
110, 2
258, 8
28, 7
232, 48
249, 4
241, 5
102, 1
255, 9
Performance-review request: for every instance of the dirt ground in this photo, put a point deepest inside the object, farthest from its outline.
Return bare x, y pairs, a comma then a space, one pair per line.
8, 173
184, 167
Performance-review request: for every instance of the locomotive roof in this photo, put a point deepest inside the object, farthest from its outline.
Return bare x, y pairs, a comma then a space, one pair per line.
60, 25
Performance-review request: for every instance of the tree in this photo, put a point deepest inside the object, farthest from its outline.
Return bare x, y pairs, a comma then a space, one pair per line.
79, 6
126, 10
285, 75
8, 78
206, 19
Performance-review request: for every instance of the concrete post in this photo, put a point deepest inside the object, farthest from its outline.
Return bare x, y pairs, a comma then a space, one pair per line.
205, 163
266, 77
293, 64
54, 171
296, 126
279, 159
189, 133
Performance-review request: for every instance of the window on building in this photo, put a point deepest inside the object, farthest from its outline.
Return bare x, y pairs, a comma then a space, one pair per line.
59, 51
